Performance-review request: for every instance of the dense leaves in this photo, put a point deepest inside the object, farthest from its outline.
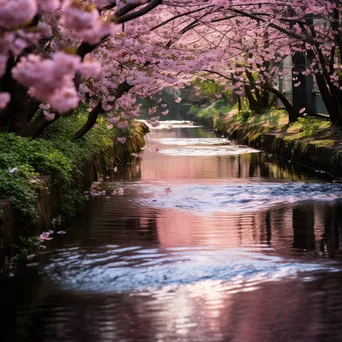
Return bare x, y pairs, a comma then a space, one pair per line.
22, 160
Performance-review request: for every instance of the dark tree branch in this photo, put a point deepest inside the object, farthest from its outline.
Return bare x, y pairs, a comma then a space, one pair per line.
37, 126
86, 48
122, 88
92, 117
133, 15
179, 16
126, 9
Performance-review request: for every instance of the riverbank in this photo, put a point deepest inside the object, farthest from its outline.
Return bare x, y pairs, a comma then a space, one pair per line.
43, 180
309, 142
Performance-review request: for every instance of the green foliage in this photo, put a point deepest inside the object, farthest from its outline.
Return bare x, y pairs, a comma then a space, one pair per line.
209, 88
71, 202
243, 115
216, 109
309, 125
194, 110
22, 160
26, 246
21, 188
98, 139
208, 112
273, 118
40, 154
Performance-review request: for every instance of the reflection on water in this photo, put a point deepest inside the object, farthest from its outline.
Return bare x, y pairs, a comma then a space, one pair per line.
205, 199
199, 248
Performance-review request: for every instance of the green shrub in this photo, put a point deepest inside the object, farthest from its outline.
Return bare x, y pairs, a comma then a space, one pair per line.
20, 187
71, 202
22, 160
309, 124
216, 109
243, 115
40, 154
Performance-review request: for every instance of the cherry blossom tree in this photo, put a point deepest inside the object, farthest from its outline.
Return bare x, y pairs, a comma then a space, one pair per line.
57, 55
237, 51
310, 31
49, 53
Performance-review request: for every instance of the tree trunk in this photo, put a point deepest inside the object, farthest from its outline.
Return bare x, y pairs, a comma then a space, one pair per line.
17, 108
326, 96
253, 103
37, 126
239, 103
288, 106
92, 117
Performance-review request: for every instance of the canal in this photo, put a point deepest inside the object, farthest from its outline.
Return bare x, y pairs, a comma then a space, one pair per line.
211, 241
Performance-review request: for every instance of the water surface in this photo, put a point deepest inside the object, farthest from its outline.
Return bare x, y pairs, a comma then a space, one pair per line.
211, 241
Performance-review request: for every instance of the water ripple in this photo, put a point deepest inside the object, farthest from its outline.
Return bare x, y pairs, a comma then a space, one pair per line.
227, 198
193, 141
146, 270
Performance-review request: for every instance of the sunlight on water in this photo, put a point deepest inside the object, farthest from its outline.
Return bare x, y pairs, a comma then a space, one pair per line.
170, 124
209, 151
205, 199
202, 147
193, 141
112, 270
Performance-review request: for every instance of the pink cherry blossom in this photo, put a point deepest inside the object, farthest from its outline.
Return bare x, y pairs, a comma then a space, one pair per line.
48, 6
64, 100
45, 236
45, 106
114, 120
48, 116
16, 12
76, 17
44, 29
122, 124
121, 140
113, 64
65, 63
120, 191
90, 68
4, 99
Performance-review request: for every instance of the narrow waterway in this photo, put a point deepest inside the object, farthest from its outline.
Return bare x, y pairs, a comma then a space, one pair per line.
210, 241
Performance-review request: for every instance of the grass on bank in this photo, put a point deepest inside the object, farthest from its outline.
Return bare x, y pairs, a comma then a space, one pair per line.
308, 129
22, 160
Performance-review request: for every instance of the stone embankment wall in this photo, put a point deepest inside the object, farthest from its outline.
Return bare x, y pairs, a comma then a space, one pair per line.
328, 159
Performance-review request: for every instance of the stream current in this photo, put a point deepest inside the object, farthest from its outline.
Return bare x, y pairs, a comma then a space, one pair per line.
211, 241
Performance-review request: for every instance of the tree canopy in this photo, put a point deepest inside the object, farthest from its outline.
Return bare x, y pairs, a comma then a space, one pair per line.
56, 56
